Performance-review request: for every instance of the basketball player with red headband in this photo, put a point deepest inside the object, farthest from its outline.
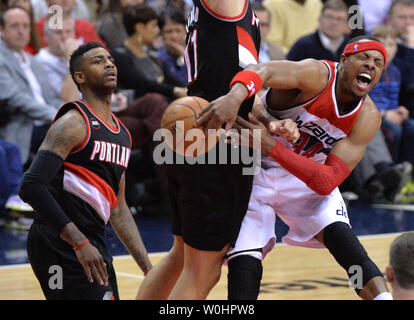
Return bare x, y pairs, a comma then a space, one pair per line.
299, 182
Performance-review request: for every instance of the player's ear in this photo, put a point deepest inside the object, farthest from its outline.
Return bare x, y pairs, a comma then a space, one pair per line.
79, 77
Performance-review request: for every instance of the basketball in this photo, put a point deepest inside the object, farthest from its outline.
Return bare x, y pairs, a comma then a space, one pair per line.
179, 118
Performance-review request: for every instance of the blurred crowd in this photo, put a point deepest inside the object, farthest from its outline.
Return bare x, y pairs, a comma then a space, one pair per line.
147, 40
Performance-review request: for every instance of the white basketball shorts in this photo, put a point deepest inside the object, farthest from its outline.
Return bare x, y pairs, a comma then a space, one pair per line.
276, 191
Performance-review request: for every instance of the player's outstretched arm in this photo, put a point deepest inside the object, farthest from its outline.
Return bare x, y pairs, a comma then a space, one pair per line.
324, 178
127, 231
310, 76
64, 135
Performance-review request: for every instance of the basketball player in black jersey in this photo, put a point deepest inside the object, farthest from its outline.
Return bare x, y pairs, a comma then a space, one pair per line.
209, 200
76, 184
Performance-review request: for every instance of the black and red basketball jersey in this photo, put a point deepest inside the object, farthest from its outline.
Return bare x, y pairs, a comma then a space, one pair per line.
87, 186
217, 48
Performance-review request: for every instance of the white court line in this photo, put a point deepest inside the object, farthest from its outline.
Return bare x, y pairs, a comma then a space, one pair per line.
156, 254
129, 275
405, 207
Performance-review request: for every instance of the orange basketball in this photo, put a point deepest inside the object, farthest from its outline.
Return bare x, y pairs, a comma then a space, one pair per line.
179, 118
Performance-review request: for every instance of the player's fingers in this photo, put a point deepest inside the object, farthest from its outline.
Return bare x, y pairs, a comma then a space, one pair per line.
203, 116
229, 125
213, 123
96, 273
88, 272
101, 268
253, 119
243, 123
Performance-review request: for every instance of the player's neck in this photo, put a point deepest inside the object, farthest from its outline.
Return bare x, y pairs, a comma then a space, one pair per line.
346, 99
100, 103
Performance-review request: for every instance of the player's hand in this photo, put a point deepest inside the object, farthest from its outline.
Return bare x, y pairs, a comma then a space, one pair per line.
252, 133
93, 263
220, 111
285, 128
260, 135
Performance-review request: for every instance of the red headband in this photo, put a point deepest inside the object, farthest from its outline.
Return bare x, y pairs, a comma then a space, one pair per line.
356, 47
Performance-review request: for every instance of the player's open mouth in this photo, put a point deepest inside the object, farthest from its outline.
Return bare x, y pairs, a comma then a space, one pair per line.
364, 79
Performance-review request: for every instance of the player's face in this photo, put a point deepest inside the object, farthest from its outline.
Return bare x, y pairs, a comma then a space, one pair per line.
362, 71
99, 69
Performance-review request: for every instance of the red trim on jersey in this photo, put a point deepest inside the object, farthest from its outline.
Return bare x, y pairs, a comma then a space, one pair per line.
129, 134
217, 15
94, 180
85, 117
246, 41
115, 130
328, 98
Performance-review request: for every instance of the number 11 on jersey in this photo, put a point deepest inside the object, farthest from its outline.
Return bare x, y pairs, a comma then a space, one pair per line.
191, 48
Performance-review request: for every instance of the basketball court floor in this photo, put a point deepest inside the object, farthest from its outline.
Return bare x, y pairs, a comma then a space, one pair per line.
290, 273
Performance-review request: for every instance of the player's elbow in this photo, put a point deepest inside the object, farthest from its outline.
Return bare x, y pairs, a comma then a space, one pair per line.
28, 187
322, 183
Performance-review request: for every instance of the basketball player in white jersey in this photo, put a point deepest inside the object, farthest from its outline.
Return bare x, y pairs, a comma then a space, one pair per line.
299, 182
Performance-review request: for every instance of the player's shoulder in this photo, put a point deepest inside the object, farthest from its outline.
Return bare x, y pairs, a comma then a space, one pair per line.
369, 119
314, 73
70, 120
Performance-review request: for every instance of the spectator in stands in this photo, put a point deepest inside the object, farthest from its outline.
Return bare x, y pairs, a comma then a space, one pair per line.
23, 82
35, 44
400, 271
109, 25
165, 7
173, 31
55, 59
139, 68
268, 50
84, 30
329, 40
79, 11
395, 118
401, 18
292, 19
11, 174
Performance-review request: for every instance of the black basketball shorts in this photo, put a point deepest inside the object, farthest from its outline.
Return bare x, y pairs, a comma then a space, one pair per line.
60, 274
209, 202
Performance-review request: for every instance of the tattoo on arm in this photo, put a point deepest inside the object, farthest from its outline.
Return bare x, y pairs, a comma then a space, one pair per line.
65, 134
127, 231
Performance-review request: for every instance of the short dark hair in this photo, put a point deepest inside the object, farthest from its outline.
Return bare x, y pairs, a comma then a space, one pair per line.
77, 55
3, 13
174, 16
364, 37
136, 14
402, 259
337, 5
